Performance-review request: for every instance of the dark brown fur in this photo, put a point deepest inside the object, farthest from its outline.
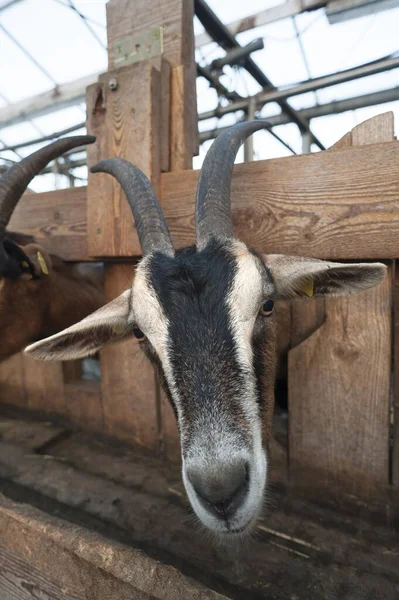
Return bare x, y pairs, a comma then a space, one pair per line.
31, 309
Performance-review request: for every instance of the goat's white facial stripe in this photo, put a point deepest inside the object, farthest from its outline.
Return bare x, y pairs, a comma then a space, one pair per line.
150, 317
147, 310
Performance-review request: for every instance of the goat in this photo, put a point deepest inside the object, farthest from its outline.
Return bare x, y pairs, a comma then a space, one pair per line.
39, 293
204, 316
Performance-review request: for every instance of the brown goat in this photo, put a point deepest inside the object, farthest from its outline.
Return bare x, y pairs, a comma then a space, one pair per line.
39, 294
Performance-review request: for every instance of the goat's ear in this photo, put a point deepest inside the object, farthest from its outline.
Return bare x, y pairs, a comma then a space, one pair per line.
294, 276
106, 325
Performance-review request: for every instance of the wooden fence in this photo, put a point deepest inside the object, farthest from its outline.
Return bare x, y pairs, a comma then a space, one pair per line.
343, 204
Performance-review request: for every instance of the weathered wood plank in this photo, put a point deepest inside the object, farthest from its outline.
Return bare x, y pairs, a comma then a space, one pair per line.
44, 386
376, 130
344, 142
125, 18
57, 220
28, 434
339, 385
72, 563
127, 124
12, 390
338, 205
281, 205
394, 417
339, 379
183, 118
19, 580
83, 404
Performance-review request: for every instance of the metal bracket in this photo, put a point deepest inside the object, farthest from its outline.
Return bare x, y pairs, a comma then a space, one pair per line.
136, 48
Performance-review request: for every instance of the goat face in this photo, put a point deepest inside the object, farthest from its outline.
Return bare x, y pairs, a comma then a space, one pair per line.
204, 316
202, 321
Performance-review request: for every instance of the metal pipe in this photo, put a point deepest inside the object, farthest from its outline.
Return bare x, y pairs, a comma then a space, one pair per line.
321, 110
45, 138
219, 32
237, 55
262, 98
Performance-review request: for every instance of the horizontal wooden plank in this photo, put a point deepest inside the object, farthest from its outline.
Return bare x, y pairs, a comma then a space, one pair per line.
59, 560
57, 220
339, 205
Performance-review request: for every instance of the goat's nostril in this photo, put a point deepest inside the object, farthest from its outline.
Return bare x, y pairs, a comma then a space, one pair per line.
222, 489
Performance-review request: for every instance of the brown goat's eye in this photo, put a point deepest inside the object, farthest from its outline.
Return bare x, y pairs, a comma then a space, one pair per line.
138, 334
267, 308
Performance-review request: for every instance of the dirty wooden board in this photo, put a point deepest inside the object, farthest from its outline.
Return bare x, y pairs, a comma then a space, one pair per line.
28, 434
339, 380
126, 18
339, 384
47, 557
380, 128
44, 385
127, 123
56, 219
297, 546
12, 390
395, 408
83, 403
337, 205
282, 205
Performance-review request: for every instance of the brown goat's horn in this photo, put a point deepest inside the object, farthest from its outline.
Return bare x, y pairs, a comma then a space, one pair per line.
212, 205
15, 181
151, 226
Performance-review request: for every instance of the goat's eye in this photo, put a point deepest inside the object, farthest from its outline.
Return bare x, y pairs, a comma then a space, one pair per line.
267, 308
138, 334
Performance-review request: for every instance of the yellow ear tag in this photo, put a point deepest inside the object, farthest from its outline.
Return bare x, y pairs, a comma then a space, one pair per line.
24, 264
307, 287
42, 263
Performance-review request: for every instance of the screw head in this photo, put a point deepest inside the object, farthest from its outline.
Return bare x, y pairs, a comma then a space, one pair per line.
113, 84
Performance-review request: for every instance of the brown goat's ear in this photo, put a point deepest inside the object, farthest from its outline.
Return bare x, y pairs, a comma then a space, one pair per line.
106, 325
295, 276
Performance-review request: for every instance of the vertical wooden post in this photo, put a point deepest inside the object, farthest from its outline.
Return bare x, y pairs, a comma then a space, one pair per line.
394, 416
339, 380
144, 112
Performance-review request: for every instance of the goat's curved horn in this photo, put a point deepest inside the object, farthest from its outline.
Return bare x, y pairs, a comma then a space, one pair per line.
151, 226
15, 181
212, 205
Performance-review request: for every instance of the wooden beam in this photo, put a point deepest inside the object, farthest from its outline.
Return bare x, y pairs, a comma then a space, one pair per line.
394, 417
339, 383
57, 219
126, 121
281, 205
339, 373
337, 205
43, 556
126, 18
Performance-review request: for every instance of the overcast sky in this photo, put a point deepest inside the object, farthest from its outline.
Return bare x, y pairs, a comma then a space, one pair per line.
60, 42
